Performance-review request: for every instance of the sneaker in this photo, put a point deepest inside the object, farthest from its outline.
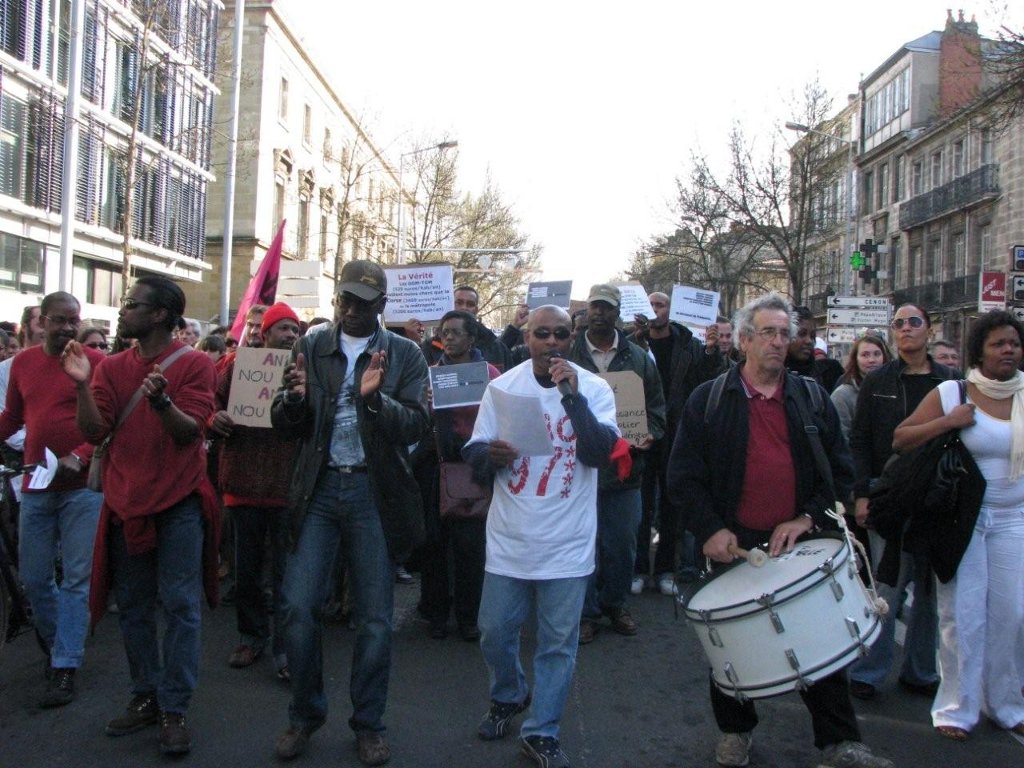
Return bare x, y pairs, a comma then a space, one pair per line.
637, 587
243, 656
544, 751
498, 718
851, 754
622, 622
60, 690
372, 747
588, 631
402, 576
174, 735
667, 584
733, 749
862, 691
292, 742
142, 710
921, 689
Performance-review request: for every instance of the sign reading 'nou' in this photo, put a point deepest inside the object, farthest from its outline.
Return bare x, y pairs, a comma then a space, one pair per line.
254, 380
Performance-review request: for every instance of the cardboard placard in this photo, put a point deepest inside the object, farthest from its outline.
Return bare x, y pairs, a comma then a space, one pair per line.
254, 380
630, 404
423, 293
459, 384
542, 294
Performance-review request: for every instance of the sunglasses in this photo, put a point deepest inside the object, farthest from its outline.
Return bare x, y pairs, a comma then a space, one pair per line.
129, 303
98, 345
559, 333
914, 321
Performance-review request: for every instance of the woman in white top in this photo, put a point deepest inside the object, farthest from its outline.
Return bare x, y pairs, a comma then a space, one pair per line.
981, 609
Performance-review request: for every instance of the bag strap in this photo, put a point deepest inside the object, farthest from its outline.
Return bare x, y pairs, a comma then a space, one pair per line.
813, 436
714, 396
137, 397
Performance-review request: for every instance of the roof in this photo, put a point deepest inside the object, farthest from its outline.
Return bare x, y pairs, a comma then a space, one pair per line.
926, 43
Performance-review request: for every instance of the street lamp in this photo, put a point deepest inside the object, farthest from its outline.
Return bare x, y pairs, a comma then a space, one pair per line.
400, 251
850, 144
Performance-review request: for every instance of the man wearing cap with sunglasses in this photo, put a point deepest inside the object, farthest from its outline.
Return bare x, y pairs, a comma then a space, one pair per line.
355, 397
887, 396
541, 529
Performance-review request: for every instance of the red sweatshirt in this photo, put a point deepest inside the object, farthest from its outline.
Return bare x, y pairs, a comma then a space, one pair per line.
43, 399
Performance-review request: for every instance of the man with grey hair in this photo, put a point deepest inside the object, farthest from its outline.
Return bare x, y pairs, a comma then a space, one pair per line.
541, 529
945, 352
773, 495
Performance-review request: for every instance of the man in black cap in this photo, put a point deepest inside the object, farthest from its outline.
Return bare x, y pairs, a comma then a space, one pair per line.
355, 397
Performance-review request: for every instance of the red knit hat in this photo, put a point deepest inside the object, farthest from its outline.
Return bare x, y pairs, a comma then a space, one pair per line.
276, 314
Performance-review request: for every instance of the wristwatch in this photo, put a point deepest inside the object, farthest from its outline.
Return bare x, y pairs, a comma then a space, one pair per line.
160, 403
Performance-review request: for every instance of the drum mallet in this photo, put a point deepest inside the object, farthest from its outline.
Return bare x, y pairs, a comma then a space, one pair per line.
756, 557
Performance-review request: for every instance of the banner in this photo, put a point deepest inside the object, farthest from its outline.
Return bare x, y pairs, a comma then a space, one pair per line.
263, 286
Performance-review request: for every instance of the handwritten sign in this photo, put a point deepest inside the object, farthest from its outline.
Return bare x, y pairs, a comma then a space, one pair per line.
695, 307
459, 384
423, 292
556, 292
254, 380
634, 302
630, 404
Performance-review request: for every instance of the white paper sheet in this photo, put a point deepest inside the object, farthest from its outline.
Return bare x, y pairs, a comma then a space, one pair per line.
521, 423
43, 474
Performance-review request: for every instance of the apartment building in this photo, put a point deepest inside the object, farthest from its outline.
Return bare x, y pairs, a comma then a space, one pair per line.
303, 157
146, 88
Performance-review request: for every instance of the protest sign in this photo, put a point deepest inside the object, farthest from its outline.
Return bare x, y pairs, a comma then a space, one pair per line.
634, 302
459, 384
630, 404
254, 380
424, 292
541, 294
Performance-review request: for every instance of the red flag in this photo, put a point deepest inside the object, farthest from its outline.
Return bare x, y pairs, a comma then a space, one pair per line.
263, 286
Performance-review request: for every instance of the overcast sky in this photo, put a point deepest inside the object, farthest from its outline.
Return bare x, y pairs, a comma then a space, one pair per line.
584, 112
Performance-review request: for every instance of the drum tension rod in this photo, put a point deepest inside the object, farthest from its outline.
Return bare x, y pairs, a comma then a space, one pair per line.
716, 641
766, 602
794, 662
829, 570
854, 629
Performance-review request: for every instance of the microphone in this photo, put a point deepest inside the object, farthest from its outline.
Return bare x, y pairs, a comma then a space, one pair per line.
564, 387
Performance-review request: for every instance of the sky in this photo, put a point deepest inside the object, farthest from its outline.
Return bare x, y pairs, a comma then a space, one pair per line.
584, 113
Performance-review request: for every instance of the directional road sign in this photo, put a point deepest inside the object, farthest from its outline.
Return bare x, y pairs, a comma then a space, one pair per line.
860, 316
858, 301
841, 335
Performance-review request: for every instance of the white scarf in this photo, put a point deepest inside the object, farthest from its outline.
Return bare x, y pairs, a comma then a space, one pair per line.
1000, 390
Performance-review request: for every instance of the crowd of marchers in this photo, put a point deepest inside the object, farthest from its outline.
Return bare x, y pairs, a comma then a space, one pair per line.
160, 499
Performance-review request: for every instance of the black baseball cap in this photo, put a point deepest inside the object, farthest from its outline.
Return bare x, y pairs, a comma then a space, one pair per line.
363, 279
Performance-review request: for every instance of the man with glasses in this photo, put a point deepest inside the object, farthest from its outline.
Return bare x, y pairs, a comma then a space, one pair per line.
354, 396
772, 495
61, 517
540, 531
158, 528
887, 396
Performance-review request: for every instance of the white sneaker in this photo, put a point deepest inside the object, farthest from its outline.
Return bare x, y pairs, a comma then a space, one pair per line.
637, 586
667, 584
733, 749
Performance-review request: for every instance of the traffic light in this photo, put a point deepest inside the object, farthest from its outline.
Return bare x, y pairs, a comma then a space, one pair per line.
1018, 287
1018, 258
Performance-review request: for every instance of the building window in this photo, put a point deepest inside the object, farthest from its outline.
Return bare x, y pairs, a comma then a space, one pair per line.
932, 261
96, 283
987, 148
896, 278
279, 198
307, 125
21, 264
936, 170
914, 267
958, 158
897, 177
985, 248
13, 147
869, 191
328, 146
323, 235
959, 254
883, 185
917, 177
302, 249
282, 101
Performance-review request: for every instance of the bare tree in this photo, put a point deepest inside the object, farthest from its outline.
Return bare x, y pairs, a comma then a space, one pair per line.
1006, 63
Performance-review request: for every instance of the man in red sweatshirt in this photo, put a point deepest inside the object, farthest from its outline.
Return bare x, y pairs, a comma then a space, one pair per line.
64, 513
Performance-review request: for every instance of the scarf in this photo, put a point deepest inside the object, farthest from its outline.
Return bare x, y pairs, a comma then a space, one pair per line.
1000, 390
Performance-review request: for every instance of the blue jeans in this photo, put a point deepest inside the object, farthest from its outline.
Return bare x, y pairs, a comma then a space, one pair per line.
919, 662
342, 519
63, 521
173, 574
504, 607
618, 515
252, 524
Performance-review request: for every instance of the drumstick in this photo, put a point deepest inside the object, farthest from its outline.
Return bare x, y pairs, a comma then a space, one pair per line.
755, 557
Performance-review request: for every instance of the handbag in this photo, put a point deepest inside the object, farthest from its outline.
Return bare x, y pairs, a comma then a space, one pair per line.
94, 480
460, 497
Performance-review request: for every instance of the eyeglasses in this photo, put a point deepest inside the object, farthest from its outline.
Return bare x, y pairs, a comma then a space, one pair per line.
62, 321
127, 302
560, 333
97, 345
914, 321
770, 334
452, 333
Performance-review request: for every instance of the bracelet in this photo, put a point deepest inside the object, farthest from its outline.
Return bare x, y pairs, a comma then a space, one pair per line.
77, 458
160, 403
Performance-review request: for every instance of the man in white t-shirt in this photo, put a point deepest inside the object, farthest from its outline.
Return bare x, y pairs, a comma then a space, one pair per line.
541, 529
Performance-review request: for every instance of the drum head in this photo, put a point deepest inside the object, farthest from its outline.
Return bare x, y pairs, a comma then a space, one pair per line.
743, 583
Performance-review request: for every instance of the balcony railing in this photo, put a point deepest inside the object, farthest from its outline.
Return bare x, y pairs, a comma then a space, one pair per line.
958, 293
974, 188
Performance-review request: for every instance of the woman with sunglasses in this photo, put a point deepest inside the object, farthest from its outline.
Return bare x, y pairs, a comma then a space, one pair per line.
981, 607
887, 396
94, 338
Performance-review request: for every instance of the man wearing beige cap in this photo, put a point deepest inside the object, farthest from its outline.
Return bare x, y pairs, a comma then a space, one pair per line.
603, 348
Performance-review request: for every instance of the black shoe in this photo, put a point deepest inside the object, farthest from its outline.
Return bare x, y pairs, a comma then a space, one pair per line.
544, 751
402, 576
863, 691
921, 689
292, 742
498, 718
60, 690
142, 710
439, 629
174, 736
469, 632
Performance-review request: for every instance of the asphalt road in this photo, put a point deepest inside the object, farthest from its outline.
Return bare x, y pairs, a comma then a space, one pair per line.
636, 702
